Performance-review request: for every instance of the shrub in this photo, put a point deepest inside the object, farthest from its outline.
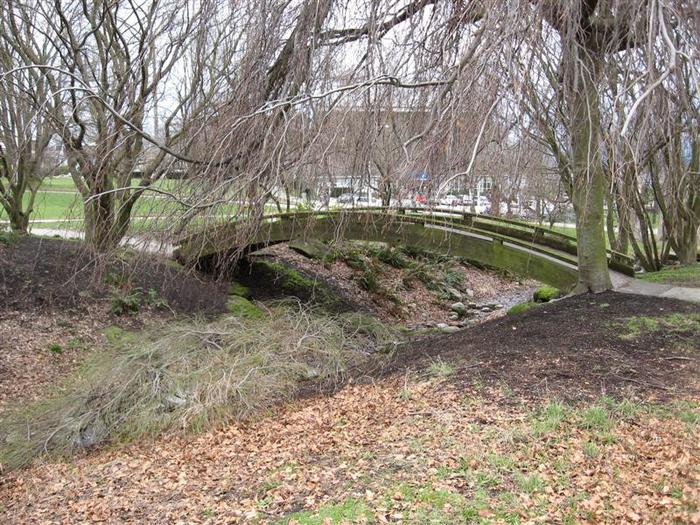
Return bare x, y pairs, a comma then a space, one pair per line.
392, 258
368, 281
355, 260
126, 303
130, 302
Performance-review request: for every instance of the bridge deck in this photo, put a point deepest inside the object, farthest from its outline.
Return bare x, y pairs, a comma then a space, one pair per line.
544, 254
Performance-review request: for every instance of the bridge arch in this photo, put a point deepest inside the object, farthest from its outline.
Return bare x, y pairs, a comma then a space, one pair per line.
523, 249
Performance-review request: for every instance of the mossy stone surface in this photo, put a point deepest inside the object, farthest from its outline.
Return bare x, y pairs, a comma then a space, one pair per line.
242, 307
238, 289
311, 248
520, 308
545, 294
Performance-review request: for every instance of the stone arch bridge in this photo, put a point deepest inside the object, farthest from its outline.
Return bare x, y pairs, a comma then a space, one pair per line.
521, 248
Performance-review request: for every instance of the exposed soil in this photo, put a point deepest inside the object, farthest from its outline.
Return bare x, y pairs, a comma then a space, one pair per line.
39, 273
574, 349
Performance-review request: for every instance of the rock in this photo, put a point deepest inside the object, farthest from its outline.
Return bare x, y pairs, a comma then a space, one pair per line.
473, 306
449, 329
454, 316
310, 374
311, 248
485, 309
441, 326
469, 292
454, 294
459, 308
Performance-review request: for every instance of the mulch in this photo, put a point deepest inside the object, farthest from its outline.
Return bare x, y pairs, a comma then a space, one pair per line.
573, 349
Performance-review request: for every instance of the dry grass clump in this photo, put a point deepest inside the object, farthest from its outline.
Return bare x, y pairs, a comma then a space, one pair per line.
189, 377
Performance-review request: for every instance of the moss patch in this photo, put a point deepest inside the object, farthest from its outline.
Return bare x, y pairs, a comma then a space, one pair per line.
520, 308
238, 289
545, 294
242, 307
294, 283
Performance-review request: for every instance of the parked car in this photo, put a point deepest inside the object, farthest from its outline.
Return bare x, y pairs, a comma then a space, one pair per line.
450, 200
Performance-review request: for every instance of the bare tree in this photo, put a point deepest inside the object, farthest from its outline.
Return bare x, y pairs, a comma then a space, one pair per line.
111, 63
25, 135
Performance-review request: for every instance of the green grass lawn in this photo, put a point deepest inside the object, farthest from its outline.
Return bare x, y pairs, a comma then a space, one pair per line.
65, 183
679, 275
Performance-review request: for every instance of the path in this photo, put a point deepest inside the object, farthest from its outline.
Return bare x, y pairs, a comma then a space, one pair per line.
136, 242
668, 291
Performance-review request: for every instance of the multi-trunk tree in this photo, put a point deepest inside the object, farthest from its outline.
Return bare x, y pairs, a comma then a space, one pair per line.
25, 137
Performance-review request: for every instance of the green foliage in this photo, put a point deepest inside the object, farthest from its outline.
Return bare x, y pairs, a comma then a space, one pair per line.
392, 257
439, 368
545, 294
549, 418
420, 272
591, 450
355, 260
55, 348
368, 281
360, 324
529, 484
126, 303
130, 302
8, 238
596, 419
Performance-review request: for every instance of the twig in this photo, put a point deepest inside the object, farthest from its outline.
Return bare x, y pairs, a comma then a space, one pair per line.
643, 383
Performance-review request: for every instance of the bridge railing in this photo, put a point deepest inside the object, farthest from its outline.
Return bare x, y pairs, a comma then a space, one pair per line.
503, 229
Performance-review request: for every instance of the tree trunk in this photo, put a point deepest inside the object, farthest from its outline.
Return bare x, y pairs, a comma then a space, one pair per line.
588, 177
101, 232
19, 221
687, 244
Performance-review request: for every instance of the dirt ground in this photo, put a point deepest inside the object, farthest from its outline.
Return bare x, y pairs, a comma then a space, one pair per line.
578, 348
461, 428
55, 302
37, 273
